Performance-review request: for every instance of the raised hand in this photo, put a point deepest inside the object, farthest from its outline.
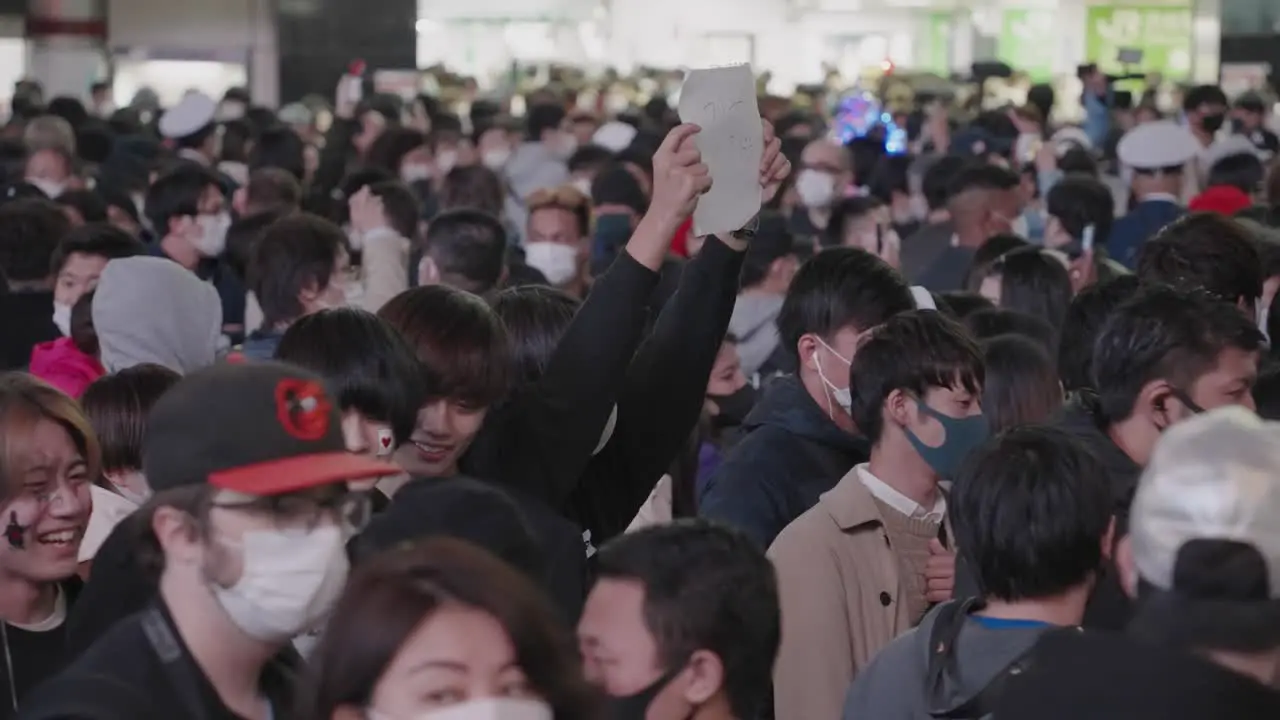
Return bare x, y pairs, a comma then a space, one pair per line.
774, 166
679, 176
367, 212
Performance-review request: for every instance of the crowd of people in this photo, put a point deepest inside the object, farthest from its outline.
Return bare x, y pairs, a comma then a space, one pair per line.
428, 416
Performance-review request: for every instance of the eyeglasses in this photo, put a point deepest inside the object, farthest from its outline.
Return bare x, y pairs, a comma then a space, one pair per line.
564, 196
305, 512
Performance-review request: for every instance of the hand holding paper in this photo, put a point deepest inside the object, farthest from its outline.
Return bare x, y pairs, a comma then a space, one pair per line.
722, 102
679, 176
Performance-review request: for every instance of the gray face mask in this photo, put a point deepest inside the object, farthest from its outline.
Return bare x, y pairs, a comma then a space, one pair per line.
960, 436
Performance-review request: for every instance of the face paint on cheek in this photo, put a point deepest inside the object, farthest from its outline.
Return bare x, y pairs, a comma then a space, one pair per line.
15, 533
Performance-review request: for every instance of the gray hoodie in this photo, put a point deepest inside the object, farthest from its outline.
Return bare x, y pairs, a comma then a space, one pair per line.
152, 310
533, 166
754, 325
893, 686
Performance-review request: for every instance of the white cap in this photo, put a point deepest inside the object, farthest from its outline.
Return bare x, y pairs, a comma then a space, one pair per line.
1069, 137
1215, 476
614, 136
1228, 146
192, 113
1156, 145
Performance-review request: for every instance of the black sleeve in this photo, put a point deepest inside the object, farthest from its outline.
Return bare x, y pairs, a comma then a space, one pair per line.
664, 392
555, 425
333, 158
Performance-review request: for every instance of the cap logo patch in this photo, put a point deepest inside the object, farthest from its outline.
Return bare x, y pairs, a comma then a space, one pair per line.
302, 408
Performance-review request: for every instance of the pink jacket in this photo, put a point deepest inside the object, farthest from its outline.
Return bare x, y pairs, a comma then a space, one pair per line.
61, 364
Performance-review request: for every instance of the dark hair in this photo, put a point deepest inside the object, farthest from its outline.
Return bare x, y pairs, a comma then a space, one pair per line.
1203, 95
389, 597
475, 187
391, 147
296, 253
589, 158
469, 248
837, 288
366, 363
1266, 392
1164, 333
937, 179
1031, 509
986, 324
773, 241
1077, 162
1243, 171
541, 118
273, 189
706, 587
459, 340
88, 204
243, 237
963, 304
1079, 202
118, 405
535, 317
889, 177
845, 212
30, 231
400, 205
912, 351
1204, 251
177, 194
99, 239
982, 176
1080, 326
1033, 282
988, 253
1021, 385
279, 147
615, 185
83, 335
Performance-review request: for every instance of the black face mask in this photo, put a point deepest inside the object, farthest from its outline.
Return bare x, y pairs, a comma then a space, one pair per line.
734, 407
636, 705
1213, 123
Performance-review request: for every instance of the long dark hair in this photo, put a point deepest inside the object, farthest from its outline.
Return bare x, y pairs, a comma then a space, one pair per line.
387, 599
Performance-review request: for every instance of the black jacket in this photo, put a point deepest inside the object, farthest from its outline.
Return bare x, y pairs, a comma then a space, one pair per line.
142, 670
1109, 676
792, 453
26, 320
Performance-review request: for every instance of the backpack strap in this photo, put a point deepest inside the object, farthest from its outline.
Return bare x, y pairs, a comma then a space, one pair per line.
943, 661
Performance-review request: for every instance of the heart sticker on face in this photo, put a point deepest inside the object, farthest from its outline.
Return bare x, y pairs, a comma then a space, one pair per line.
385, 441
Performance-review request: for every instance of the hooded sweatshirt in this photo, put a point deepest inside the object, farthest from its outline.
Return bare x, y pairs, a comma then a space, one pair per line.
152, 310
791, 454
533, 166
895, 685
754, 324
64, 366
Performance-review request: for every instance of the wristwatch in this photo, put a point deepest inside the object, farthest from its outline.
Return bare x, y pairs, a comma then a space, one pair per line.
748, 231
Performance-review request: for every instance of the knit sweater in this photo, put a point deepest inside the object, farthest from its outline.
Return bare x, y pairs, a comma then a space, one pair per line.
909, 538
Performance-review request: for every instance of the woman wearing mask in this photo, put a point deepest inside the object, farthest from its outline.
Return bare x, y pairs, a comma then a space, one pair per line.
51, 457
444, 631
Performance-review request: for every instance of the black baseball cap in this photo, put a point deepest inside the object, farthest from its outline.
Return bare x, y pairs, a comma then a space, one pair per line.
262, 428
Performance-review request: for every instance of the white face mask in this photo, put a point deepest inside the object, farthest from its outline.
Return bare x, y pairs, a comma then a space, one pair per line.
1020, 227
559, 262
213, 236
445, 160
289, 581
488, 708
62, 317
414, 172
51, 188
843, 396
496, 159
815, 188
131, 485
582, 185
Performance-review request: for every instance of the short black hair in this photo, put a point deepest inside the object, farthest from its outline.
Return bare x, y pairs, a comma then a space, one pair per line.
541, 118
177, 194
279, 147
30, 232
100, 239
937, 179
1203, 95
536, 317
839, 287
982, 176
88, 204
1243, 171
117, 405
1035, 283
1204, 251
912, 351
589, 158
1162, 332
295, 253
469, 248
1078, 202
1021, 386
890, 176
963, 304
243, 237
773, 240
400, 205
615, 185
366, 363
1031, 508
991, 250
706, 587
986, 324
1077, 161
845, 212
391, 147
1088, 310
460, 341
273, 189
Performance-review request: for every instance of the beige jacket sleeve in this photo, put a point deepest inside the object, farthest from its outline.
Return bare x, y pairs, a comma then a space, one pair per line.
815, 661
385, 269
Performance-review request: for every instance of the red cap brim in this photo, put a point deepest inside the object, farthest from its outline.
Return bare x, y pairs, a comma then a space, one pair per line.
287, 475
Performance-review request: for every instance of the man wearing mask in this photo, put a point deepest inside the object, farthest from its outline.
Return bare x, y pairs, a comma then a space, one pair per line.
767, 271
682, 624
801, 438
1153, 156
1162, 357
865, 563
1249, 118
249, 524
540, 161
984, 201
189, 214
1204, 110
826, 172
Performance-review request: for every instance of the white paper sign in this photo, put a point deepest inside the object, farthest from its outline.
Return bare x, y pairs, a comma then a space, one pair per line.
722, 101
